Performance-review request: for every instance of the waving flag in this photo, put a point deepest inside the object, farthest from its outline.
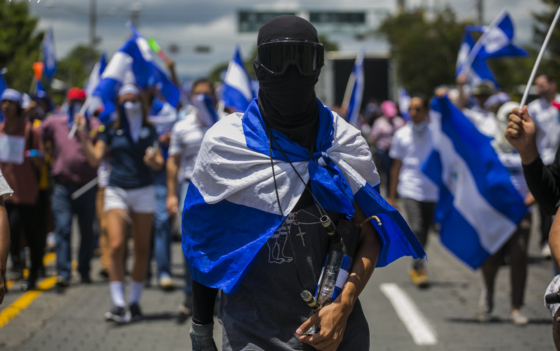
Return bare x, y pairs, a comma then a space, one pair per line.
231, 208
237, 93
154, 74
479, 208
497, 40
479, 70
355, 90
49, 55
3, 87
404, 103
95, 75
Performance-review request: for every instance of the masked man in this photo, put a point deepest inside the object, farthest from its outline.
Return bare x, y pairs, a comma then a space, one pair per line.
262, 184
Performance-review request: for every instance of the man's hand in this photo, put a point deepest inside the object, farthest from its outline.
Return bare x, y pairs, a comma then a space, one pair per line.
172, 204
521, 134
529, 200
81, 123
332, 319
150, 158
165, 138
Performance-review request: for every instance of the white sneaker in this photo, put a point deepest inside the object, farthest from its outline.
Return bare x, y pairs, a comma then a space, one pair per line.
166, 283
519, 318
545, 251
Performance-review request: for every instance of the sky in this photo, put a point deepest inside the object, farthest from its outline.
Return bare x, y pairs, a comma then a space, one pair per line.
189, 23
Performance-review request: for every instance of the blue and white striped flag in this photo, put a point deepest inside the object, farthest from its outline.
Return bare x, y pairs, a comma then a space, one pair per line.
497, 40
49, 54
479, 70
95, 75
355, 90
3, 87
404, 103
237, 93
478, 207
231, 208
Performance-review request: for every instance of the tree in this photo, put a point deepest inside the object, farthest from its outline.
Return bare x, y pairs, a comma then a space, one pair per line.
20, 43
543, 20
425, 51
73, 69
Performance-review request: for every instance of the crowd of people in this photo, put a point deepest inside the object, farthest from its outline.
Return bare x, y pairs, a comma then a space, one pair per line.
128, 180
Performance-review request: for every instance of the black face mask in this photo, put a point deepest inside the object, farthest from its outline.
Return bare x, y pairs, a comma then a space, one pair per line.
289, 102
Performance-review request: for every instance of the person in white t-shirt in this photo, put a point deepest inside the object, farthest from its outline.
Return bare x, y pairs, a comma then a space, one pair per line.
411, 146
547, 123
5, 192
186, 138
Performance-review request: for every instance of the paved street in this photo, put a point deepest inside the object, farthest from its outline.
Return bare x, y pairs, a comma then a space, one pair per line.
74, 320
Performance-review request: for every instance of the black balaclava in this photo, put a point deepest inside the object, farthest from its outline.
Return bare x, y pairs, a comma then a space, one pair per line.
289, 101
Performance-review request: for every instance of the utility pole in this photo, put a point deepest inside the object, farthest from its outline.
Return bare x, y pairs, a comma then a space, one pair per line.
92, 25
401, 5
135, 13
480, 10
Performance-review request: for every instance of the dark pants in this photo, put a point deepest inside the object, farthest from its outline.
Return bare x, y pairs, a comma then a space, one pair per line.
546, 224
64, 208
516, 248
24, 217
384, 162
419, 216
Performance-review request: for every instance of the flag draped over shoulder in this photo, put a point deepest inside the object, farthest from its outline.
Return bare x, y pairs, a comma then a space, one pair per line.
355, 88
231, 207
479, 208
238, 92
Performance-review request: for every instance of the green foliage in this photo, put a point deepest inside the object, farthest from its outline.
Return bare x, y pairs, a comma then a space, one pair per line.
425, 51
75, 68
543, 20
248, 62
19, 43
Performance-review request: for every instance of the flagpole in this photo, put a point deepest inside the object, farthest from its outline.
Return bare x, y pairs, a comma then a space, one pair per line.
478, 45
539, 58
74, 125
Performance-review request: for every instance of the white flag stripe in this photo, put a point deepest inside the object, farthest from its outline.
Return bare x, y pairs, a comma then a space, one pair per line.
492, 226
118, 66
414, 321
236, 78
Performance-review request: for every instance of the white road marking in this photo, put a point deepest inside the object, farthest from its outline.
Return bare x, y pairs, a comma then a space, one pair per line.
410, 315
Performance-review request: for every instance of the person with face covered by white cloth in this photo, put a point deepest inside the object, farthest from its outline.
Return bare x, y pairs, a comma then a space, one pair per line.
133, 151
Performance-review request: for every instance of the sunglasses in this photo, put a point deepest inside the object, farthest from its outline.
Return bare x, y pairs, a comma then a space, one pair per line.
275, 56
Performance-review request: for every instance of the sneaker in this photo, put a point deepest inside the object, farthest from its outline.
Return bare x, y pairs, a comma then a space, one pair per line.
30, 283
134, 313
485, 306
116, 314
166, 283
62, 283
545, 251
519, 318
419, 278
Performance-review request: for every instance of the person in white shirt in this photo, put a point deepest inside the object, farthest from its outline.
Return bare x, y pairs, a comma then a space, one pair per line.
5, 192
411, 146
479, 114
186, 138
547, 123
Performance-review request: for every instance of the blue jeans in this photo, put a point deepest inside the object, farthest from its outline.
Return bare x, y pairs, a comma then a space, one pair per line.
182, 195
64, 208
162, 226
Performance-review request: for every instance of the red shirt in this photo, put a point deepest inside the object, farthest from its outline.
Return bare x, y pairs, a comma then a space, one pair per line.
23, 179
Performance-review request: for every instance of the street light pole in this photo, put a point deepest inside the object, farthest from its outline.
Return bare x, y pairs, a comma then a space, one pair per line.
135, 13
480, 10
92, 25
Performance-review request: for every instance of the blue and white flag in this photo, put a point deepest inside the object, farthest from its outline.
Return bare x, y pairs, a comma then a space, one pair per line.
497, 40
49, 54
3, 87
355, 88
404, 103
237, 93
231, 208
155, 76
479, 70
478, 208
95, 75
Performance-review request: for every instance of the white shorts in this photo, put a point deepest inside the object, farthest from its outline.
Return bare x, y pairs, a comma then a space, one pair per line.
552, 288
140, 200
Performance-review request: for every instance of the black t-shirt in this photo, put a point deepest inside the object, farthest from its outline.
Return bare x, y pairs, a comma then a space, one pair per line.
126, 157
